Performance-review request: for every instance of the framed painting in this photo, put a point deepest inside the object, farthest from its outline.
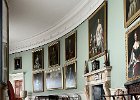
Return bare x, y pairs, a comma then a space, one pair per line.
70, 76
95, 65
54, 54
38, 82
54, 79
133, 52
70, 46
131, 11
97, 32
38, 59
18, 63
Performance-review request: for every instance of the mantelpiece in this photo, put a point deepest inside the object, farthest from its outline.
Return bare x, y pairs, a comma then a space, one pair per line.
102, 77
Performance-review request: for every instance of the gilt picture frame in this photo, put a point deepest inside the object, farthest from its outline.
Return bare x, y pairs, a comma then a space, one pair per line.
18, 63
38, 59
131, 15
70, 72
132, 38
54, 54
54, 78
71, 46
97, 24
38, 81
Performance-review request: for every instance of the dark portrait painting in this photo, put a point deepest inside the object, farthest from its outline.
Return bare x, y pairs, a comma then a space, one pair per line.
38, 59
133, 52
38, 82
54, 54
97, 32
70, 76
70, 46
131, 11
18, 63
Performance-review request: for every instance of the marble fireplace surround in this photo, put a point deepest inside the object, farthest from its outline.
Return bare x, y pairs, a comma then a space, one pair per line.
101, 76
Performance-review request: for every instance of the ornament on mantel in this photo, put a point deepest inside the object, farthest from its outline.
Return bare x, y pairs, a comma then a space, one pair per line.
86, 67
106, 58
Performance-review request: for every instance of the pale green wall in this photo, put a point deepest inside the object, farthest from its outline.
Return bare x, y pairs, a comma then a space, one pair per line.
116, 42
82, 55
116, 47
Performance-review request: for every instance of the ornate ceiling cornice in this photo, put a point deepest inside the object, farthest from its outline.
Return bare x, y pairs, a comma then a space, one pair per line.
71, 21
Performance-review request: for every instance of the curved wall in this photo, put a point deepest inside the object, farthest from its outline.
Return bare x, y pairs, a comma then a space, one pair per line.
82, 55
116, 46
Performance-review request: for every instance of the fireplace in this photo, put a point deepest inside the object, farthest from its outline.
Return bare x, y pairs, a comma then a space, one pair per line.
98, 82
97, 92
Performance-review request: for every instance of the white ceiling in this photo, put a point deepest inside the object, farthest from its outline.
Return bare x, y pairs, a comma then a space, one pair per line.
33, 23
28, 18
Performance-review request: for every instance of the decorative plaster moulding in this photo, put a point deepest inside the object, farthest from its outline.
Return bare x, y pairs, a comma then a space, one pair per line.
71, 21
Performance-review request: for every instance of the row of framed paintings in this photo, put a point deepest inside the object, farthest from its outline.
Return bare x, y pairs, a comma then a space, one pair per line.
55, 78
97, 24
53, 53
97, 42
98, 36
132, 39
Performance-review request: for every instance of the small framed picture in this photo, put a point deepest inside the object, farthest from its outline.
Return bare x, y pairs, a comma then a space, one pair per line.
95, 65
70, 76
71, 46
54, 79
18, 63
97, 24
38, 59
133, 52
38, 82
54, 54
131, 11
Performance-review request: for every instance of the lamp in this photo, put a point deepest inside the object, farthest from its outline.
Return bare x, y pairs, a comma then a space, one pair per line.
23, 94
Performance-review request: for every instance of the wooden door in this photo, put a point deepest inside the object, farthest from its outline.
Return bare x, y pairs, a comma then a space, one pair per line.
18, 88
